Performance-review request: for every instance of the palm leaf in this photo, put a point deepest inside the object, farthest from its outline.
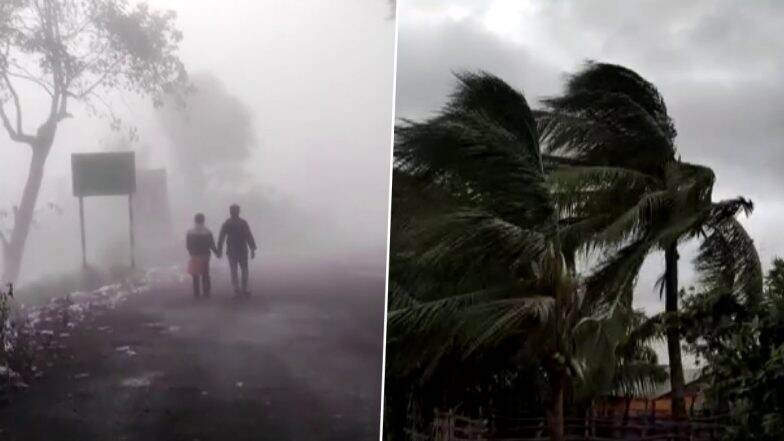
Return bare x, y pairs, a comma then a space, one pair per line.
439, 313
485, 153
727, 261
487, 94
489, 324
611, 78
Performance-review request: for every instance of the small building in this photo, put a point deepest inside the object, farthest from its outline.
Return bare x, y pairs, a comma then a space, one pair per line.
659, 402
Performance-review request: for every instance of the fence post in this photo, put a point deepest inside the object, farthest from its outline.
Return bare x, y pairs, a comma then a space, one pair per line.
452, 425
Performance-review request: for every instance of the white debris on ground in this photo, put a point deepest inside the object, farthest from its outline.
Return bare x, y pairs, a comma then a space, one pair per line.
32, 336
126, 350
143, 380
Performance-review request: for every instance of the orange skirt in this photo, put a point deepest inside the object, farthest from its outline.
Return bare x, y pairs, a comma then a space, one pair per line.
198, 266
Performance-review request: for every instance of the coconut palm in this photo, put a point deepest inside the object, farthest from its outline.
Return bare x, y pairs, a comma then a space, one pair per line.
610, 148
476, 247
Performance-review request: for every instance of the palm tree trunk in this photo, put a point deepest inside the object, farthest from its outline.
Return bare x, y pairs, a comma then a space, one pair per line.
555, 411
677, 382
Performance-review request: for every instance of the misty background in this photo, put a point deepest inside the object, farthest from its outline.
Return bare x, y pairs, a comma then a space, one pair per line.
290, 117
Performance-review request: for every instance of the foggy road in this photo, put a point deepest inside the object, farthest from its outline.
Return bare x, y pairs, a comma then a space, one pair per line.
301, 359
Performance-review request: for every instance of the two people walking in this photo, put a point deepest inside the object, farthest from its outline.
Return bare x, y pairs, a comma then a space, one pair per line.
200, 242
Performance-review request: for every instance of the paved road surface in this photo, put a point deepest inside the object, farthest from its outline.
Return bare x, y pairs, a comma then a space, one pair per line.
300, 360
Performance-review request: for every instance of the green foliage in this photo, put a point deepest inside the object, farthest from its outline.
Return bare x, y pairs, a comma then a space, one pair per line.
740, 337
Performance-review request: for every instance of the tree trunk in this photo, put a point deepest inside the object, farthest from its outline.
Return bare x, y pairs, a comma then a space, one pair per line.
555, 410
677, 382
23, 217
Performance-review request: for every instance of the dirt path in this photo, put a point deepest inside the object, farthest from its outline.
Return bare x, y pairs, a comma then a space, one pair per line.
300, 360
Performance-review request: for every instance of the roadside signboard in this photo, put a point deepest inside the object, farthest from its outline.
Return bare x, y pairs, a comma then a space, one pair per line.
103, 174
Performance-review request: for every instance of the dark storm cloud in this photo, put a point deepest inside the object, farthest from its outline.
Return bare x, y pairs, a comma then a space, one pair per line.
429, 57
718, 64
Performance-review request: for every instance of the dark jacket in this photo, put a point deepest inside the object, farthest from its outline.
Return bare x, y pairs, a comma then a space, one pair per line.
199, 241
236, 232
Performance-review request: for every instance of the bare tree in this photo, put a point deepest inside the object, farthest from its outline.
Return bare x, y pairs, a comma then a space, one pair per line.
76, 51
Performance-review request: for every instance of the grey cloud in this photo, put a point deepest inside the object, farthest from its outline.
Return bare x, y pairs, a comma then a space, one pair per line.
428, 59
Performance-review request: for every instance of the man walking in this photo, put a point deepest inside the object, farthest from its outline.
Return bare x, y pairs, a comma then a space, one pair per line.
239, 240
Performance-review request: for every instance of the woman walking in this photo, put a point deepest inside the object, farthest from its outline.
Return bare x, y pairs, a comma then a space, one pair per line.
200, 244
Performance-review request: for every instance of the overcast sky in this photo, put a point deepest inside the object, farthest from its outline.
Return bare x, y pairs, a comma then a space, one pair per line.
718, 64
317, 78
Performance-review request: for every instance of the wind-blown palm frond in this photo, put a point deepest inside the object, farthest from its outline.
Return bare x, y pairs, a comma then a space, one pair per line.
609, 115
471, 240
728, 262
437, 313
399, 297
485, 153
414, 198
625, 346
485, 94
466, 325
617, 275
643, 332
615, 79
490, 324
604, 142
636, 221
590, 190
691, 184
638, 378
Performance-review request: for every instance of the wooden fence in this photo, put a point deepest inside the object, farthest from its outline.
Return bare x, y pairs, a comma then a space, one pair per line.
451, 427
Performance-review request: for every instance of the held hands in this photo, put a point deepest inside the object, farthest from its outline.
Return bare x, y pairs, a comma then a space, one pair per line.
252, 254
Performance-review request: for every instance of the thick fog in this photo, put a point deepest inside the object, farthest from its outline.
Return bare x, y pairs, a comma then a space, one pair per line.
290, 117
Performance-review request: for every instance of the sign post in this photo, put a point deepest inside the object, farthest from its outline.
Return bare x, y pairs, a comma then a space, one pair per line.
130, 231
81, 227
104, 174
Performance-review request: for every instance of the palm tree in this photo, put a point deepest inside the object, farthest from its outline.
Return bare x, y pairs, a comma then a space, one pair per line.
476, 247
610, 146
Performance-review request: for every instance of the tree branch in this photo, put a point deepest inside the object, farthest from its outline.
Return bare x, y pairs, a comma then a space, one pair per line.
17, 104
16, 136
26, 76
85, 92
